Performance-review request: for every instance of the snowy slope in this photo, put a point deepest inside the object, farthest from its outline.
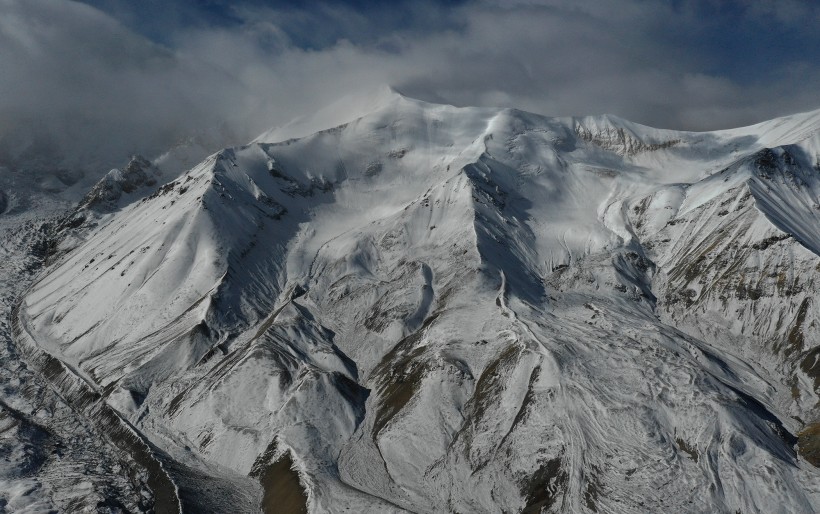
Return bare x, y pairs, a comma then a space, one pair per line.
431, 308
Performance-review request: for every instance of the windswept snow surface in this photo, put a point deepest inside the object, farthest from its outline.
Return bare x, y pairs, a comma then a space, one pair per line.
440, 309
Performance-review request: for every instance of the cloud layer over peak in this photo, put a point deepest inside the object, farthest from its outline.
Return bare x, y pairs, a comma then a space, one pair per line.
114, 78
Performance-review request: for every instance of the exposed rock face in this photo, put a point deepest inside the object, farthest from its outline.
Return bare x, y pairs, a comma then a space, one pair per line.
436, 309
106, 194
620, 140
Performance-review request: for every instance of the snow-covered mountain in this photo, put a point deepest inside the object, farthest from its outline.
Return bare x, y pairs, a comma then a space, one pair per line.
440, 309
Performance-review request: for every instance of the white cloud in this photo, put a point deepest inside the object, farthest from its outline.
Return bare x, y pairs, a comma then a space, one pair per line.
107, 92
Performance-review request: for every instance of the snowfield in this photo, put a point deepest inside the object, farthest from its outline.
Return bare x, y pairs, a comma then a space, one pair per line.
427, 308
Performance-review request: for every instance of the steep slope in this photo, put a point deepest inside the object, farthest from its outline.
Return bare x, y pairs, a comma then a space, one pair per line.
55, 458
739, 258
440, 309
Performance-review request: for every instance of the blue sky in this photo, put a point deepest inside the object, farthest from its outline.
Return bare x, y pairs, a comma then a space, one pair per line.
150, 68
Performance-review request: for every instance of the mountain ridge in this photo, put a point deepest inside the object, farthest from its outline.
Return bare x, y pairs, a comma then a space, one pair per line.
493, 307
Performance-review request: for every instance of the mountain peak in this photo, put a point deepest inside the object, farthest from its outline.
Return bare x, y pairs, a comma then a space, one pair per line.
482, 273
338, 112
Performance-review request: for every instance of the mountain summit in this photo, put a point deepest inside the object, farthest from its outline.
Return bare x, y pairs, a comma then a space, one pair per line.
428, 308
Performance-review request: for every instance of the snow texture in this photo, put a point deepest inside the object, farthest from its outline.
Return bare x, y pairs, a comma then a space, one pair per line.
440, 309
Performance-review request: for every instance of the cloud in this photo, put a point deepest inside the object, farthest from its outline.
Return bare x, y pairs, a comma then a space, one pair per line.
103, 90
94, 91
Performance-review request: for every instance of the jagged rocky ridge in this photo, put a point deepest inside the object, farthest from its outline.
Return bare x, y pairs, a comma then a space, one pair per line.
470, 310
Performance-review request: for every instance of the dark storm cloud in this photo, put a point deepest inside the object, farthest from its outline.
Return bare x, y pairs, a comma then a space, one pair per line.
136, 75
